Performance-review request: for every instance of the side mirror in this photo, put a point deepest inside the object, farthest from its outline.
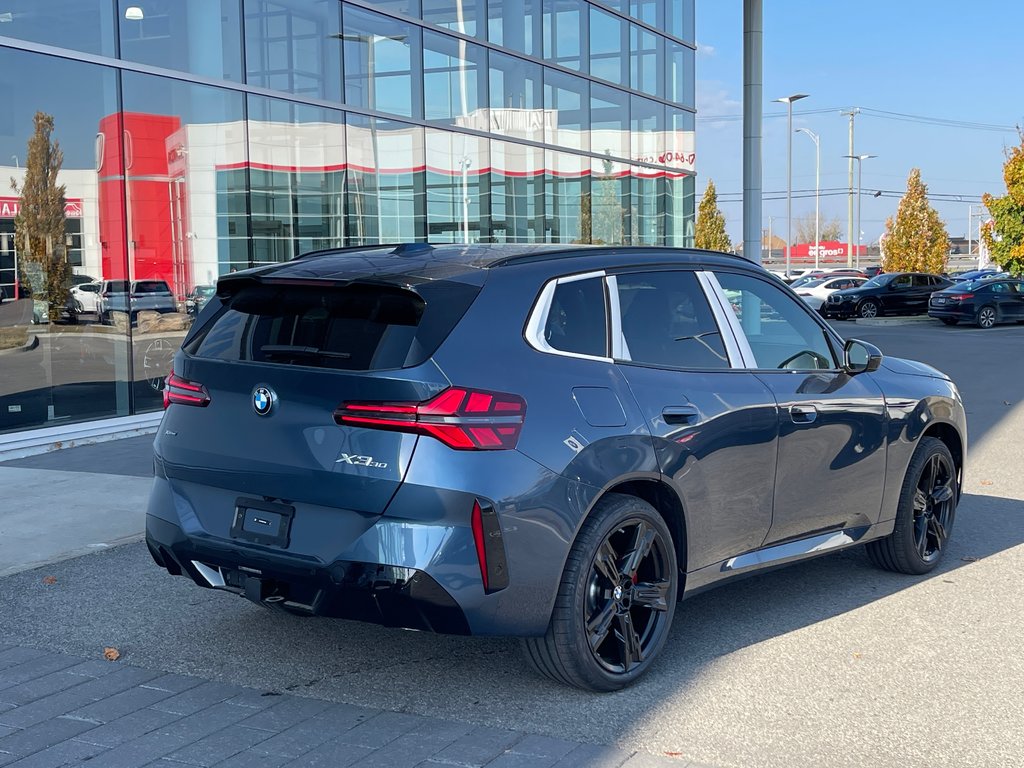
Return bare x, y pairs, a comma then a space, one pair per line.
860, 357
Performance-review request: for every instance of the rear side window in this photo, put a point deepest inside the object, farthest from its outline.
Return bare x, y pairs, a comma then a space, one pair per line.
357, 327
666, 321
577, 321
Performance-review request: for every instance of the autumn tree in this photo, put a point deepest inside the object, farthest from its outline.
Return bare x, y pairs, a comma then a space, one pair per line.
710, 230
39, 227
1004, 235
915, 239
829, 230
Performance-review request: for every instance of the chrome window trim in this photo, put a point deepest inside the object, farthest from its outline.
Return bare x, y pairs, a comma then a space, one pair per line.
736, 344
538, 320
619, 349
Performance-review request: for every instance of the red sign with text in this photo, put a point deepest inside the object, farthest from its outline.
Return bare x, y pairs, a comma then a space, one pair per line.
9, 207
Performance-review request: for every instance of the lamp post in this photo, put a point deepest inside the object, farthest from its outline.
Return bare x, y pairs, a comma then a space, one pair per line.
860, 169
788, 101
817, 191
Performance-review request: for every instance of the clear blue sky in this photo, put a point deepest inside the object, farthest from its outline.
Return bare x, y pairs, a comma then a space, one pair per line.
944, 59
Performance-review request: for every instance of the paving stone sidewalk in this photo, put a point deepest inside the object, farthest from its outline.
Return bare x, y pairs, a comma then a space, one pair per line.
59, 710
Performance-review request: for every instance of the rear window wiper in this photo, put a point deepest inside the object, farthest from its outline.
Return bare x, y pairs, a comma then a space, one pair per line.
295, 350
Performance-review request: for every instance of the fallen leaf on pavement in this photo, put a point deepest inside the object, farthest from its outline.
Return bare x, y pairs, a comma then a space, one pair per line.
111, 654
986, 482
857, 654
49, 579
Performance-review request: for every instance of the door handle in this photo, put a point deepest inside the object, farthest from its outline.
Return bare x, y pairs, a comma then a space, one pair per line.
803, 414
680, 414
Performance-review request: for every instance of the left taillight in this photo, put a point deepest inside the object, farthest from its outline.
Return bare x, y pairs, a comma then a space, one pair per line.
463, 419
184, 392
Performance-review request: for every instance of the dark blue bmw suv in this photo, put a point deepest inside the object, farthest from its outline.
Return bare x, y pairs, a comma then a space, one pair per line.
558, 443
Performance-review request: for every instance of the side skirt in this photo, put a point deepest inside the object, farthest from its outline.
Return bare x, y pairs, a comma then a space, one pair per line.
778, 555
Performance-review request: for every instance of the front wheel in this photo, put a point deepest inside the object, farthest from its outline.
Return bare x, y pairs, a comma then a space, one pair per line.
868, 309
924, 515
615, 601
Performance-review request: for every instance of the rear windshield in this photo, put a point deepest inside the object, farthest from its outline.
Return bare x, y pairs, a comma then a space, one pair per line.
358, 327
152, 286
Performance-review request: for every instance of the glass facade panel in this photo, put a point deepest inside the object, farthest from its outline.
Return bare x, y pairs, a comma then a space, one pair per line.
454, 81
647, 123
517, 193
567, 99
609, 121
516, 25
187, 190
383, 63
679, 76
81, 25
609, 44
203, 37
463, 16
679, 19
170, 184
647, 51
609, 202
386, 193
569, 214
58, 364
294, 46
458, 181
297, 178
565, 33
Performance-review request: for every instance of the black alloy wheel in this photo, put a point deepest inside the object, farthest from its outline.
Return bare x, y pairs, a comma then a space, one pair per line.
925, 515
868, 309
986, 316
615, 602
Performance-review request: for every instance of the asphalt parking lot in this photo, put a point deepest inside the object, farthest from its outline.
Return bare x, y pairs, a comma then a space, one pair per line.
827, 663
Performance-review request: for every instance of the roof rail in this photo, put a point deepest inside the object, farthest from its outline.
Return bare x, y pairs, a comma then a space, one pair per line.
574, 250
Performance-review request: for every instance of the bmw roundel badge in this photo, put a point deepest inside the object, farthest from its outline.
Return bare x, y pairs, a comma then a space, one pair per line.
263, 399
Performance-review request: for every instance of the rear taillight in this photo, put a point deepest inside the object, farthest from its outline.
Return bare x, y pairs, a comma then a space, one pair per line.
464, 419
184, 392
959, 296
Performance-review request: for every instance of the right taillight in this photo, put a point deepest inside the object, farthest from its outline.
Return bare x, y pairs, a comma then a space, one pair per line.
464, 419
184, 392
959, 296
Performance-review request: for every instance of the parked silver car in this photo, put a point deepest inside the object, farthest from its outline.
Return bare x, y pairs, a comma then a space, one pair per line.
137, 296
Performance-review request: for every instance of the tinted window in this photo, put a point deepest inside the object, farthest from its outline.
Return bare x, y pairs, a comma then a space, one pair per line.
116, 286
923, 281
577, 321
356, 328
781, 333
901, 281
666, 321
152, 286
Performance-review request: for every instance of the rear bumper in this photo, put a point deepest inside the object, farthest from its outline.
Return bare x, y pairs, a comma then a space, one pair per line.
387, 595
952, 312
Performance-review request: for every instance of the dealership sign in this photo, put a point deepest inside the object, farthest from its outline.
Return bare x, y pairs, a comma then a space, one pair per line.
9, 207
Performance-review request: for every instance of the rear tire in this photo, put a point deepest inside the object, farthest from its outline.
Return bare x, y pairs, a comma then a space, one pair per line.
615, 600
986, 316
925, 513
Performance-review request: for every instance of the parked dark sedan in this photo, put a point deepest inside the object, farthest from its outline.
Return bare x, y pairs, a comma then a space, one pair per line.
985, 302
553, 442
894, 293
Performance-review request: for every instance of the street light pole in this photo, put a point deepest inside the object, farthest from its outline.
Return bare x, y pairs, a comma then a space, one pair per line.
788, 101
860, 171
817, 192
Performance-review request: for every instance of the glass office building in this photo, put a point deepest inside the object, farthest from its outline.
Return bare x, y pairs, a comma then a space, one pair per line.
199, 137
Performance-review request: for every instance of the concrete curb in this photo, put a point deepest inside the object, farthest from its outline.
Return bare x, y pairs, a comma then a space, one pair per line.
911, 320
19, 445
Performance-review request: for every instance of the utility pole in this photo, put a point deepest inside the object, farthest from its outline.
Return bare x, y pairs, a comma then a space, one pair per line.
788, 101
852, 113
